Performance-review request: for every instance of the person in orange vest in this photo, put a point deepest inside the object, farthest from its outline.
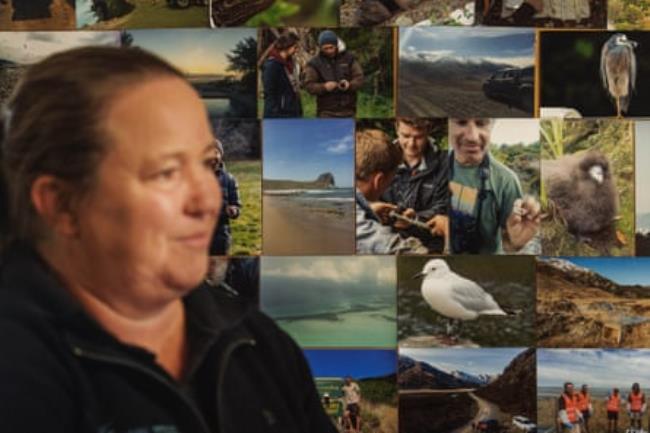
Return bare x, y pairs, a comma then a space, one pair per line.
568, 412
636, 406
584, 405
613, 408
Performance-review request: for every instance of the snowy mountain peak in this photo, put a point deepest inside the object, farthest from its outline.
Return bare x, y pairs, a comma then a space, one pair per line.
566, 266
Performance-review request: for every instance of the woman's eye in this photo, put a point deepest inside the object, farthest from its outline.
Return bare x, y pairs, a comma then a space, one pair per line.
166, 174
211, 163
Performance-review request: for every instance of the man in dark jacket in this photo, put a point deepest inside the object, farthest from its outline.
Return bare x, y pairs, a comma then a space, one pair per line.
281, 80
61, 372
421, 186
230, 207
334, 76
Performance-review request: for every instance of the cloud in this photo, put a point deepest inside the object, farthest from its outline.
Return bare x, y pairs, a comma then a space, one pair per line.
31, 47
599, 368
340, 146
438, 33
520, 62
336, 269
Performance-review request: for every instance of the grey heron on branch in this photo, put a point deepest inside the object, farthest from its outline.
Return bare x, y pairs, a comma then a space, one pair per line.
618, 70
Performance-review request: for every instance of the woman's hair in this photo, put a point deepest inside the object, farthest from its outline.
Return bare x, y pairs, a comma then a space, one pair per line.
52, 125
286, 41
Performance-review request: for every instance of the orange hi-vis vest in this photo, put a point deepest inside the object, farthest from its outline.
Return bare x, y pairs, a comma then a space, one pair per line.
614, 403
571, 407
636, 401
583, 401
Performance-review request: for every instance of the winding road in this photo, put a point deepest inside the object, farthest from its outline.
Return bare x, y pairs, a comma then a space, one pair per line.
486, 410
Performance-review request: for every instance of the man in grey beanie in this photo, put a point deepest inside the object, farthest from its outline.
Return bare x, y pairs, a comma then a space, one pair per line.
334, 76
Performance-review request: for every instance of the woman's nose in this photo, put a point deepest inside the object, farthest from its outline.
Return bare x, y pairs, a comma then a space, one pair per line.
205, 194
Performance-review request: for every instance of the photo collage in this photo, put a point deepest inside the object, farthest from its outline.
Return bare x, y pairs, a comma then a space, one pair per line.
442, 202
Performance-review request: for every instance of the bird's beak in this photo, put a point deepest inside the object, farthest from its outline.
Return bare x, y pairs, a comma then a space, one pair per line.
596, 173
418, 275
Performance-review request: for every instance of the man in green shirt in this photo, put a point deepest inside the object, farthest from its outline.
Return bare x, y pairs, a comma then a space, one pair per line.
487, 202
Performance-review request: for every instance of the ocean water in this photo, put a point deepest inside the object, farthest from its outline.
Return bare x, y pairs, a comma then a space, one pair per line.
373, 328
217, 107
327, 313
332, 195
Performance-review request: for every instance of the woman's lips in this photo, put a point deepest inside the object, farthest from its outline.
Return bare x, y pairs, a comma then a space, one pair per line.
197, 240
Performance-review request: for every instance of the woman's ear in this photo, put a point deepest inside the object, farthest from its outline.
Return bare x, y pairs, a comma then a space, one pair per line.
51, 199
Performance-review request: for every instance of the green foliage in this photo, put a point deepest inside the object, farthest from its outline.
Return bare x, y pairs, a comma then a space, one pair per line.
308, 104
275, 15
523, 159
552, 132
379, 390
368, 106
243, 60
629, 14
146, 14
247, 229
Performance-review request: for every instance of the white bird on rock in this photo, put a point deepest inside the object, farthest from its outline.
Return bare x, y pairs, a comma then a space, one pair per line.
453, 296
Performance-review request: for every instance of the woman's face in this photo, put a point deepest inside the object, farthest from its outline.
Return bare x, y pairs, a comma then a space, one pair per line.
147, 223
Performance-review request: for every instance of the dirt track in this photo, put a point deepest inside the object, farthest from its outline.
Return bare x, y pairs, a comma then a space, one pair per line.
486, 410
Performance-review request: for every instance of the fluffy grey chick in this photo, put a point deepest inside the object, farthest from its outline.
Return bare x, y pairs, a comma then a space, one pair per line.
583, 190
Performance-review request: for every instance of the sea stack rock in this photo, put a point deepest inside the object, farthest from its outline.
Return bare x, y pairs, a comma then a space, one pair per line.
326, 180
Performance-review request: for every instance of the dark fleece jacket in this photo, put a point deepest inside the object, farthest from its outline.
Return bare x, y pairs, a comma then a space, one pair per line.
60, 372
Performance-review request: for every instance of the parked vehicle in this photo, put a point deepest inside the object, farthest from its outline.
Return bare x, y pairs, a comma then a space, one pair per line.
523, 423
514, 86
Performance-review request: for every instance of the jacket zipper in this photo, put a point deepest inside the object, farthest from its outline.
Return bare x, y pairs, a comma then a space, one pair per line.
121, 362
230, 349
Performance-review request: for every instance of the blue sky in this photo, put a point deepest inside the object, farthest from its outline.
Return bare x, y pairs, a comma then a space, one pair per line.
642, 161
512, 46
622, 270
596, 367
198, 51
301, 149
356, 363
473, 361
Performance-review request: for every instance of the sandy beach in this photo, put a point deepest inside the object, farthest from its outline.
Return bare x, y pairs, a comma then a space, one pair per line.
297, 228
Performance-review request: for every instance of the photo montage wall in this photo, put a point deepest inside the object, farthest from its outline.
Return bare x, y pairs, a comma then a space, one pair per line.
442, 202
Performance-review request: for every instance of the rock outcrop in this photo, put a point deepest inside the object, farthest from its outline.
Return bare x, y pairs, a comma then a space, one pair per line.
578, 307
323, 181
515, 391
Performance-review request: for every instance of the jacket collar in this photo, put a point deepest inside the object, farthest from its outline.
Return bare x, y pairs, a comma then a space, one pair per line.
24, 276
427, 163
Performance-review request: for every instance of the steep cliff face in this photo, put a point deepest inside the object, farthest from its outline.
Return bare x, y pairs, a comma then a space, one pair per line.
577, 307
516, 389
